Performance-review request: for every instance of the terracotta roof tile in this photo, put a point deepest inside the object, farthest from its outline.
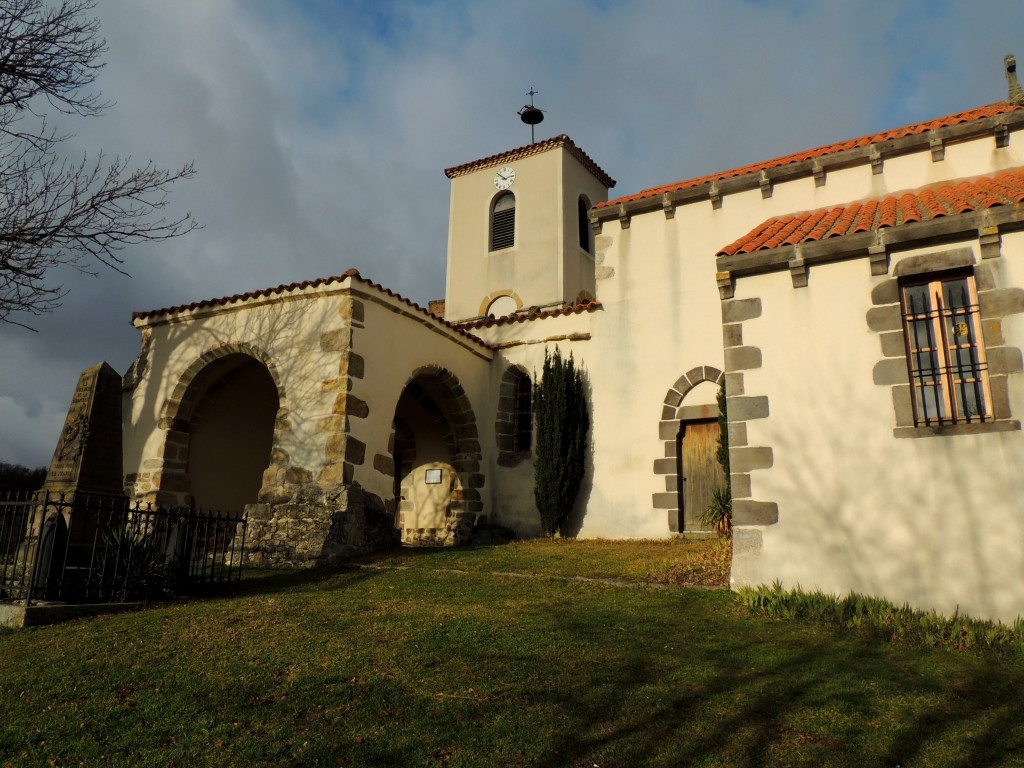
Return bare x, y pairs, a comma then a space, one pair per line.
534, 149
487, 322
908, 130
865, 221
932, 202
908, 210
280, 289
825, 223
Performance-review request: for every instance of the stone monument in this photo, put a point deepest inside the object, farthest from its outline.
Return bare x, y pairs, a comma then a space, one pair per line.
88, 454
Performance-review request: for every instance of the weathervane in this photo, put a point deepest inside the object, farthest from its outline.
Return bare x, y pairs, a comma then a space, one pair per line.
530, 115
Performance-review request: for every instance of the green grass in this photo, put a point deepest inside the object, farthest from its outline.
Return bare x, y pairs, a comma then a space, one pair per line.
427, 666
701, 562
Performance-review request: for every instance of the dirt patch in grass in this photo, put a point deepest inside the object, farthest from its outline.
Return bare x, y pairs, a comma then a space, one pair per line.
705, 566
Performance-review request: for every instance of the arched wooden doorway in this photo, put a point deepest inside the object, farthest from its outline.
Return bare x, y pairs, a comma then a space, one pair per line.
689, 428
698, 472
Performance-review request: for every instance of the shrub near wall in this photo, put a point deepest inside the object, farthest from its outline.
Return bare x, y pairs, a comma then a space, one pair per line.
561, 424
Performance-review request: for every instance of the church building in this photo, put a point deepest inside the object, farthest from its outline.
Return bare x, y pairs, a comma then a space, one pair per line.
862, 303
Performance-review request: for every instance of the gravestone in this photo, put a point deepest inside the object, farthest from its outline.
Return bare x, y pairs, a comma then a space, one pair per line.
88, 454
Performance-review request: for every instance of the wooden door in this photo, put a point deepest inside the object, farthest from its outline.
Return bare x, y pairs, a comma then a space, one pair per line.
700, 472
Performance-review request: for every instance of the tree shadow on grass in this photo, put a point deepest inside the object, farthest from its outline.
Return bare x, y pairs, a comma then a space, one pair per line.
262, 581
793, 699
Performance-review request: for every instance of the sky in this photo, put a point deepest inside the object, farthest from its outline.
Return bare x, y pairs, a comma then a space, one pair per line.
320, 130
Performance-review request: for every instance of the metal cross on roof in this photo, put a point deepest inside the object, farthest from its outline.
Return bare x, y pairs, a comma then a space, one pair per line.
530, 115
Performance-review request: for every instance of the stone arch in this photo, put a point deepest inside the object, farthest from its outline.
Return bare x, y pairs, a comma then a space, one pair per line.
513, 436
434, 417
492, 297
675, 415
210, 376
179, 403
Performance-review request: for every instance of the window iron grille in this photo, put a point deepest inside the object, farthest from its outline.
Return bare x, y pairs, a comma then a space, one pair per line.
945, 354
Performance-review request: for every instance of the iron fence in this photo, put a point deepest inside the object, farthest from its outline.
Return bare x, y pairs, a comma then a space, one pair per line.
88, 548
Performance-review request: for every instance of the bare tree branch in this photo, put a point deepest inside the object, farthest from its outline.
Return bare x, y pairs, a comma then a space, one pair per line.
53, 211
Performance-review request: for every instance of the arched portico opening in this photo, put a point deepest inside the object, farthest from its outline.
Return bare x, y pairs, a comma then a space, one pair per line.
220, 432
436, 456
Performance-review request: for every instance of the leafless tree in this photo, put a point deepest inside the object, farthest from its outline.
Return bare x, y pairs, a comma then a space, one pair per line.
53, 210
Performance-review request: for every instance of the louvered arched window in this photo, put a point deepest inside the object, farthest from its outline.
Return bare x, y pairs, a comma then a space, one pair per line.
503, 222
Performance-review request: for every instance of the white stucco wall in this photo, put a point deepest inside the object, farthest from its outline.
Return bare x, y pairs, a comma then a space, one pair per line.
933, 521
545, 266
858, 508
286, 329
396, 342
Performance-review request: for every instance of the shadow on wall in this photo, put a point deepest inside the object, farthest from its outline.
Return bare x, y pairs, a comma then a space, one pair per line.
574, 522
932, 521
279, 328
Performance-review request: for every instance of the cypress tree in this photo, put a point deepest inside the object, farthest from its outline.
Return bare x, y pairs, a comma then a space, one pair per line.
723, 432
562, 421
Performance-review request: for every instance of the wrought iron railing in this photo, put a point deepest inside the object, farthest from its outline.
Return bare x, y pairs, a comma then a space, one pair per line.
88, 548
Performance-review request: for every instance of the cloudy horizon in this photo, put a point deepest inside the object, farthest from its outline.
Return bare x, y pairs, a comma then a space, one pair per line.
320, 130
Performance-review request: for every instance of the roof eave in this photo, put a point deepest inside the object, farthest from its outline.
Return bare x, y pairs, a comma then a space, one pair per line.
560, 141
1005, 218
818, 166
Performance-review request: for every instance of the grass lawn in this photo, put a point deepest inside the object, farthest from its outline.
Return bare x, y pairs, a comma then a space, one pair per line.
444, 663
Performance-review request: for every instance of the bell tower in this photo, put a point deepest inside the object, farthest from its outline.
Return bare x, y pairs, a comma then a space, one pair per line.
519, 234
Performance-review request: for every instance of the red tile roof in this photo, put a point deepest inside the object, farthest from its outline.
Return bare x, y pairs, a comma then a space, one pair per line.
535, 149
932, 202
277, 290
522, 317
876, 138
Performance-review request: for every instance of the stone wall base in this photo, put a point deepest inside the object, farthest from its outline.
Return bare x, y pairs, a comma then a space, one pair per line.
458, 530
318, 528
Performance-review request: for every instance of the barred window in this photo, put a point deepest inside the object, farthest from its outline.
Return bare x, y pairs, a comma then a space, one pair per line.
945, 352
503, 222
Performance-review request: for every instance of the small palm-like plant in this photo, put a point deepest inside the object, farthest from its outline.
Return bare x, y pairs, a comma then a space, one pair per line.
132, 564
718, 515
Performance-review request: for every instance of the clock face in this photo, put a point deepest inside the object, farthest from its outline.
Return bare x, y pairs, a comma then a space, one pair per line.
503, 179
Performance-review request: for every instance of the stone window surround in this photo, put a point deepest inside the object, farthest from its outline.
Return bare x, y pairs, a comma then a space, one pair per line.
885, 318
505, 419
995, 304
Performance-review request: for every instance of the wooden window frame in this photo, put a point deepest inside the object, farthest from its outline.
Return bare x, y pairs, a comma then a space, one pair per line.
936, 334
